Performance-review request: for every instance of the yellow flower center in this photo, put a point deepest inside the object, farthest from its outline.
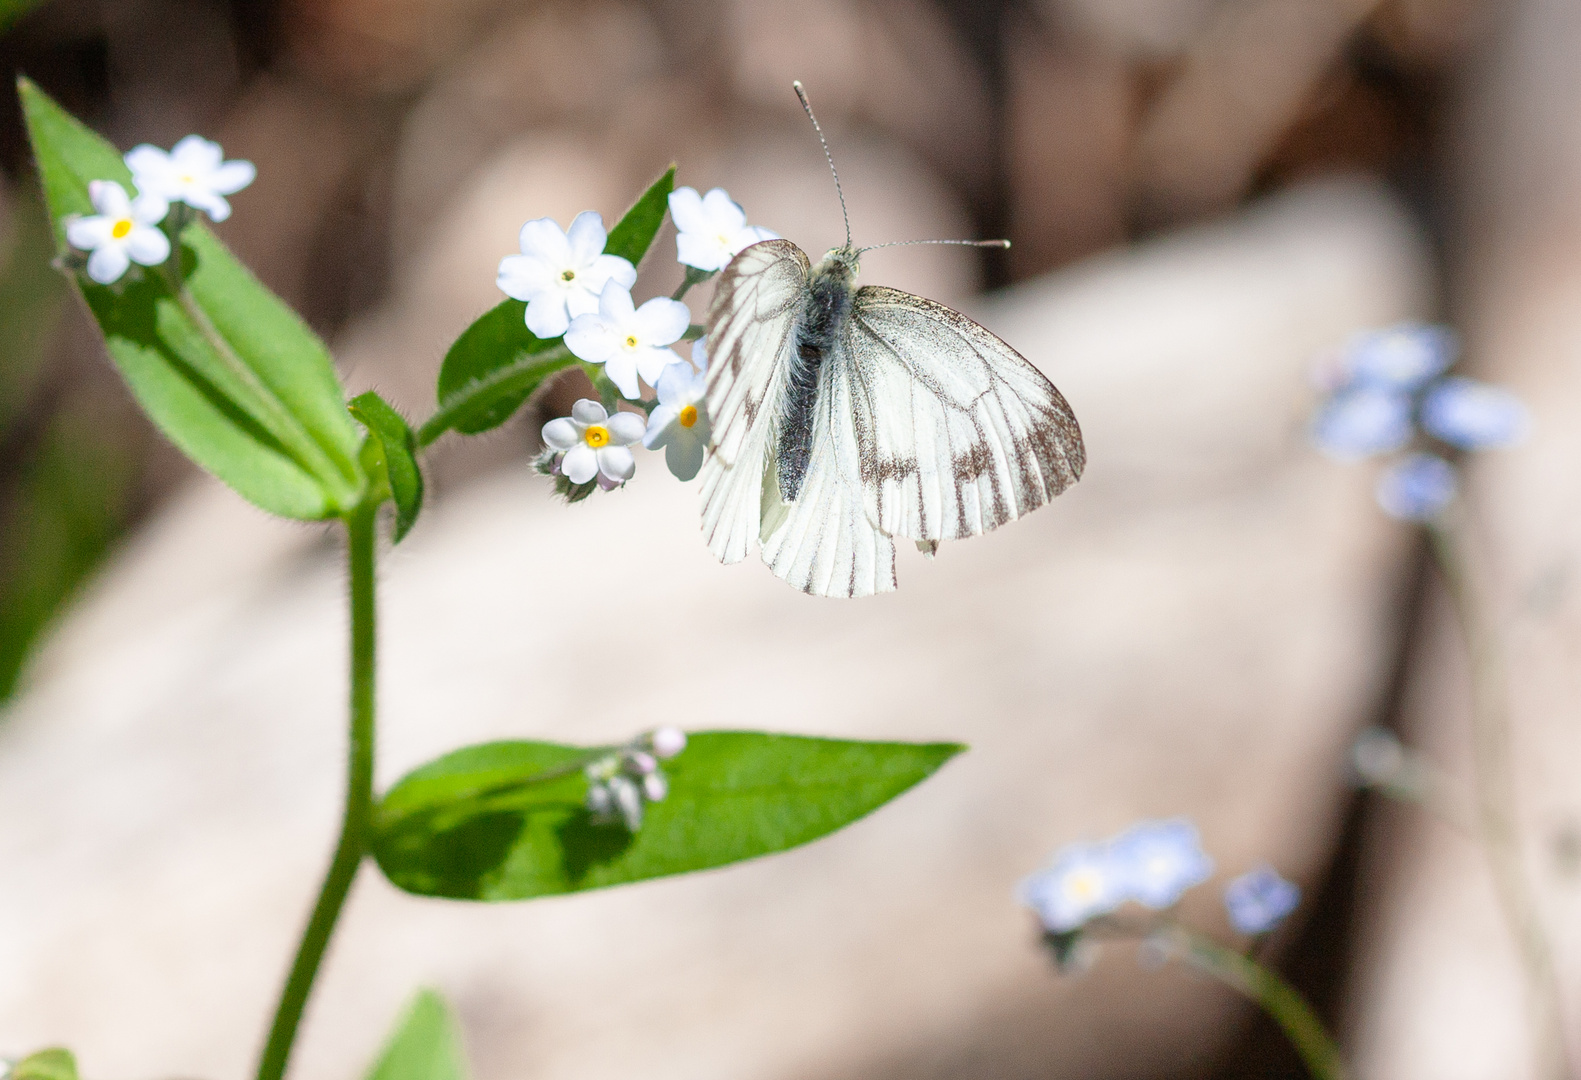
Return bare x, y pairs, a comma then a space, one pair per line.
121, 229
631, 341
567, 275
1084, 884
186, 178
597, 435
688, 415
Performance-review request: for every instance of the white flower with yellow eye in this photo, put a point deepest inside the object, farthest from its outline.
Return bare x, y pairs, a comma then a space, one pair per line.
194, 172
591, 443
629, 340
711, 229
123, 231
680, 421
560, 273
1082, 883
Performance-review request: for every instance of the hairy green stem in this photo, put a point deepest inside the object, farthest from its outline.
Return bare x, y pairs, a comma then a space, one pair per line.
1494, 778
1281, 1001
360, 540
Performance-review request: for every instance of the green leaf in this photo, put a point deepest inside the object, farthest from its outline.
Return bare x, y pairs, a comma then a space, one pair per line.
13, 10
52, 1064
425, 1045
497, 362
30, 295
634, 232
507, 821
225, 369
397, 453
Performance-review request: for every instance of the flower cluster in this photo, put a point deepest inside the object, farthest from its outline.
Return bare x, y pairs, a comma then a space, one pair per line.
575, 290
622, 783
1390, 391
1152, 863
124, 229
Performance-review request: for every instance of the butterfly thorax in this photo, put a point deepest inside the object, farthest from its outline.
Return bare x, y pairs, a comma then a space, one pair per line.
819, 324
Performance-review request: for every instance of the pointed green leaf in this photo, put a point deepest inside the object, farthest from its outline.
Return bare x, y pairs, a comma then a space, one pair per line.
224, 368
634, 232
497, 362
30, 296
52, 1064
507, 821
425, 1045
397, 452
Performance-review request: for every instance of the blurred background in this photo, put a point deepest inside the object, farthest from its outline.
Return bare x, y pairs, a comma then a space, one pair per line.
385, 130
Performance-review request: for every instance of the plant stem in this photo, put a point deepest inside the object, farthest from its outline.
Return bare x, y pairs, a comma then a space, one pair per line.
1494, 779
1281, 1001
360, 540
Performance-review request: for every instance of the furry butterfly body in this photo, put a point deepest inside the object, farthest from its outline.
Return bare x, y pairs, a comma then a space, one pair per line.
847, 417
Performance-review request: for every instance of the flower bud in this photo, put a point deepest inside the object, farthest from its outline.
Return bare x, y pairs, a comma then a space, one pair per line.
667, 742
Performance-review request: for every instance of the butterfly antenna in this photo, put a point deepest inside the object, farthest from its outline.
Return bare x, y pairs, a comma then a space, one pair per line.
964, 243
807, 106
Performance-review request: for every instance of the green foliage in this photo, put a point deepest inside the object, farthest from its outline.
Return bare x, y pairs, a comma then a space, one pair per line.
223, 367
52, 1064
425, 1045
30, 295
497, 362
12, 10
507, 821
394, 457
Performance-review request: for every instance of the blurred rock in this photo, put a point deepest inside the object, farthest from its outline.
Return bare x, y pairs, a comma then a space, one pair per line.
1245, 81
1072, 113
1438, 992
1196, 628
1145, 28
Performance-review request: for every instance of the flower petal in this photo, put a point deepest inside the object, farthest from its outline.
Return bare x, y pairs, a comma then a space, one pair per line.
1473, 415
197, 155
1416, 488
544, 239
700, 354
587, 237
591, 338
616, 462
587, 411
724, 213
684, 456
108, 263
626, 428
232, 176
752, 234
614, 304
149, 209
561, 433
662, 321
622, 371
658, 421
523, 277
673, 383
580, 464
607, 268
148, 160
87, 233
148, 245
546, 314
701, 250
686, 210
652, 362
109, 198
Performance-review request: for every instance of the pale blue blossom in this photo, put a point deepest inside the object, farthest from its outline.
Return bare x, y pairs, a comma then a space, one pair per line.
1363, 420
1259, 900
1401, 357
1416, 487
1081, 884
1473, 415
1157, 861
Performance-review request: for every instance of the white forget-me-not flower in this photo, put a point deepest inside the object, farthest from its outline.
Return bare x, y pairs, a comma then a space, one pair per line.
194, 172
592, 444
628, 340
561, 273
124, 231
680, 421
1157, 861
1259, 900
711, 229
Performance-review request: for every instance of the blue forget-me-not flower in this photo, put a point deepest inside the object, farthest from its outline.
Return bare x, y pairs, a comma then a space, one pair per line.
1391, 392
1152, 863
1259, 900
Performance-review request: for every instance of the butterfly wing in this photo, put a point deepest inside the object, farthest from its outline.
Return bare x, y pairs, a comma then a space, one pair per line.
751, 330
954, 432
824, 543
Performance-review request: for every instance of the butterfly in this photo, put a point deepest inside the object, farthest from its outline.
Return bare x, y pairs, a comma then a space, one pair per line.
845, 418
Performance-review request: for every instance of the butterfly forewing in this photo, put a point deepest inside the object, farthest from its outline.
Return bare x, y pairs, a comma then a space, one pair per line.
954, 431
751, 329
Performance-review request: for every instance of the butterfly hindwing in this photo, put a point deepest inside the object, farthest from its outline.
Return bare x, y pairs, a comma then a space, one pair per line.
751, 330
954, 431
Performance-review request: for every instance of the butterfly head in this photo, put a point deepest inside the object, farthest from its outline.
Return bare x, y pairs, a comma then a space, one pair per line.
841, 263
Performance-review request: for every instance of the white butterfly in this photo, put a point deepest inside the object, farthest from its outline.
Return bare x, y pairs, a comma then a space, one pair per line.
845, 417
